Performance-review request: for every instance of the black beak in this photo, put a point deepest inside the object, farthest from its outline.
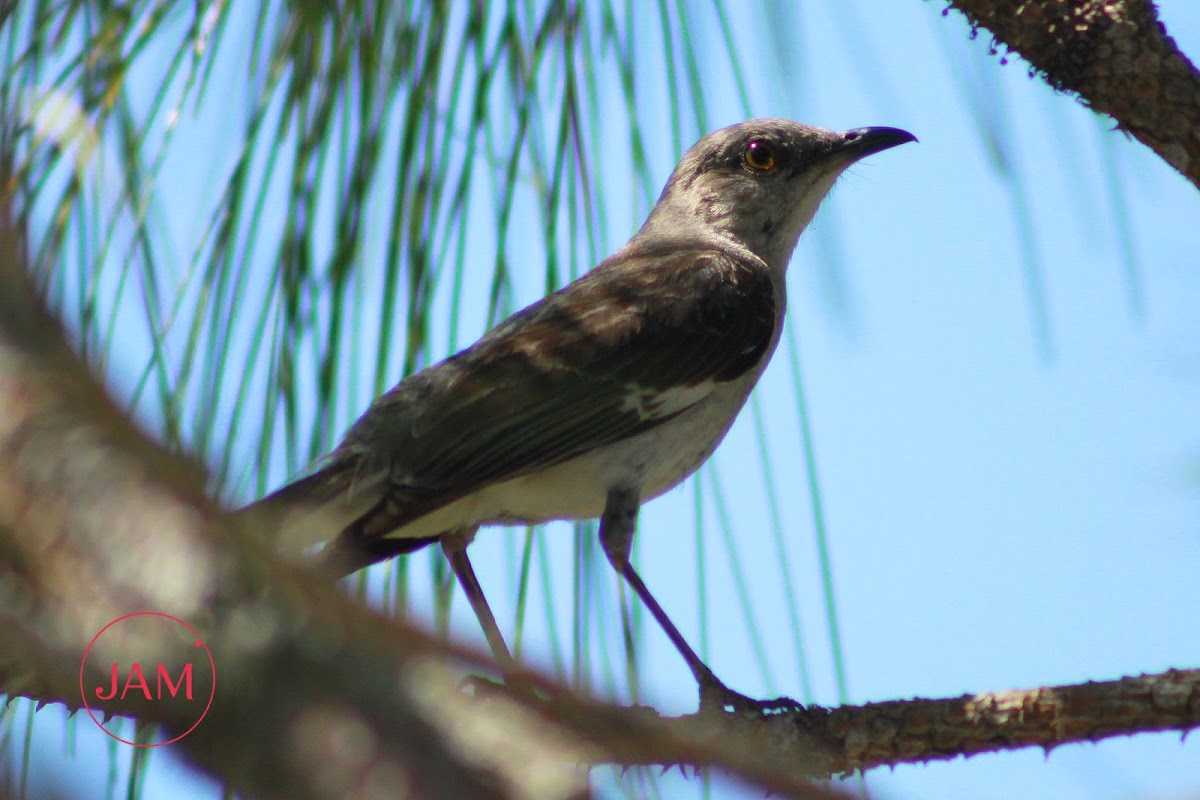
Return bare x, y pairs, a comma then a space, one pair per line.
861, 142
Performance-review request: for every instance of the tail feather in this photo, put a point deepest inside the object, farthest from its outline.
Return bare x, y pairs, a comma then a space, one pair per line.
313, 509
348, 554
328, 507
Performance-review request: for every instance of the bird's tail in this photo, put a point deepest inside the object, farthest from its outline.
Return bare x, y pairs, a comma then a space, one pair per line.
324, 508
311, 510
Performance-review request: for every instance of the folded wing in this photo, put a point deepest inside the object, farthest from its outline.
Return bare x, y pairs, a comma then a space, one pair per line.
625, 348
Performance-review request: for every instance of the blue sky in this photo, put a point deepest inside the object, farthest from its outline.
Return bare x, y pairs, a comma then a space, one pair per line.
997, 517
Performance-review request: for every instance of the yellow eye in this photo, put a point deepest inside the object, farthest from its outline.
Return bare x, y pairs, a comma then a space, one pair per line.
760, 155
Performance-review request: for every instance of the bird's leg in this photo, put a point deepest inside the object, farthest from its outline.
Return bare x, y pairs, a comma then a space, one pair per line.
454, 545
616, 537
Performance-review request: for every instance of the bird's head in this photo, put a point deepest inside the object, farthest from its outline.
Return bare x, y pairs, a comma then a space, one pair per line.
760, 182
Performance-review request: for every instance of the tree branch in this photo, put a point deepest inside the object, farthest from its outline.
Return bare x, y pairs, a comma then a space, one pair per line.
830, 742
1116, 56
316, 696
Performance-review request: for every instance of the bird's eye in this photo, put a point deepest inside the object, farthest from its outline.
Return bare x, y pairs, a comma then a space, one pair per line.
760, 155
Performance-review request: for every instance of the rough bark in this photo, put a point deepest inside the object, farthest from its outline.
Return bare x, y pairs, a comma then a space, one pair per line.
318, 696
831, 742
1116, 56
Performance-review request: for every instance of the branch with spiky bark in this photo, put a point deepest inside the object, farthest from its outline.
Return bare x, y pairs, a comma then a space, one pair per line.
96, 521
838, 741
1116, 56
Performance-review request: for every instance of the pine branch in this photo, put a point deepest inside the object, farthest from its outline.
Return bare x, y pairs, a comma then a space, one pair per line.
828, 742
96, 520
1116, 56
316, 696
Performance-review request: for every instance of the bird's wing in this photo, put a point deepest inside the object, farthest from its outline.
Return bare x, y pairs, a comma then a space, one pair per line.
623, 349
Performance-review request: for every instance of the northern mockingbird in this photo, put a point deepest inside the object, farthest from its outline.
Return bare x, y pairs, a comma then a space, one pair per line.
599, 397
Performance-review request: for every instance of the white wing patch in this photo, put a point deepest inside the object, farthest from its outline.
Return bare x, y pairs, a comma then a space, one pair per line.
651, 404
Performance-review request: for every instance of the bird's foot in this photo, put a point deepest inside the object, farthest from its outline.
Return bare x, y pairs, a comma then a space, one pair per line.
718, 699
